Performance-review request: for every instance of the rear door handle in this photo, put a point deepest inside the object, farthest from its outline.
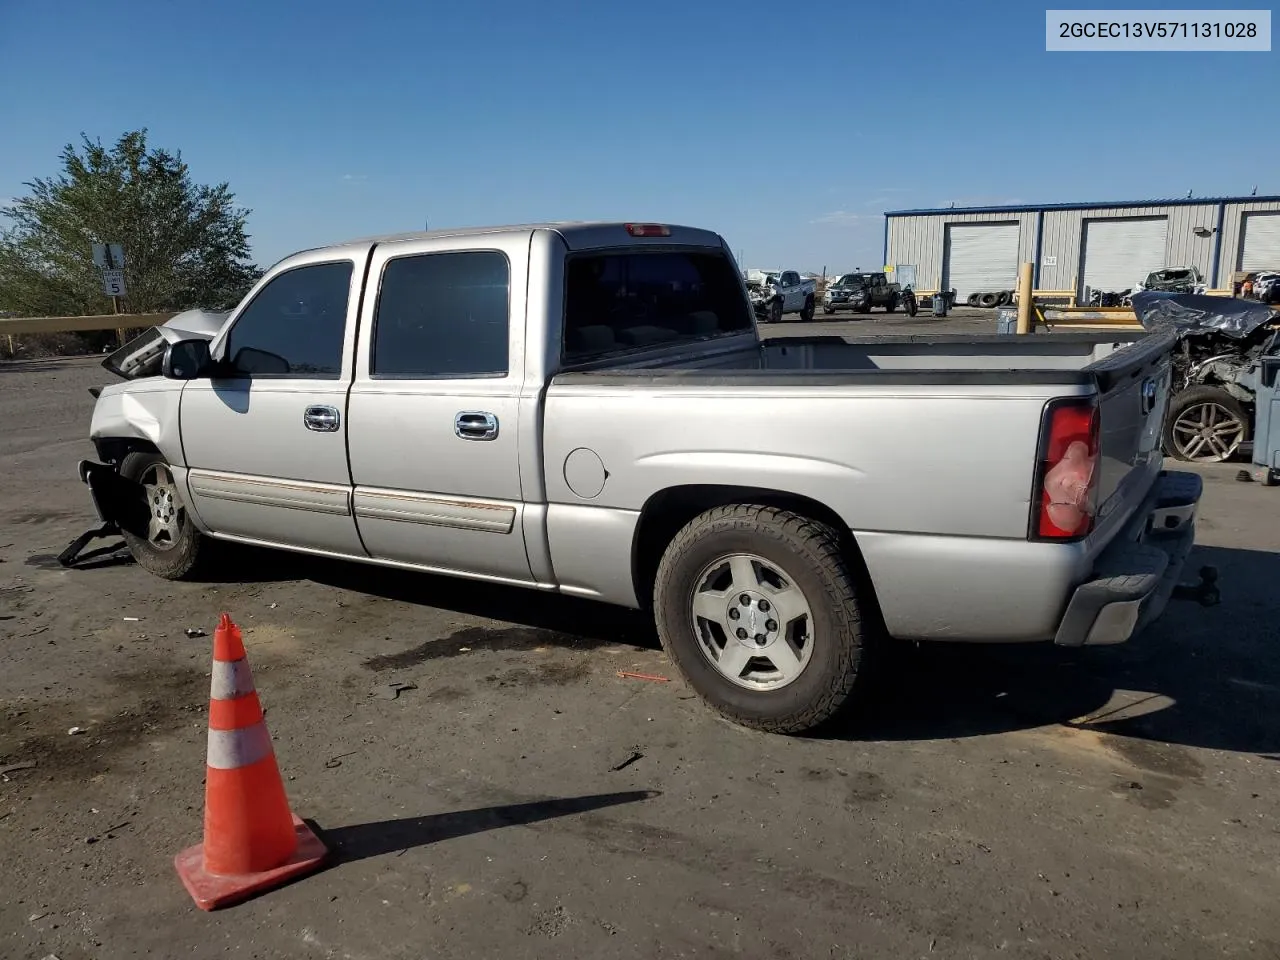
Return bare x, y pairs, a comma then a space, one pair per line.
322, 419
475, 425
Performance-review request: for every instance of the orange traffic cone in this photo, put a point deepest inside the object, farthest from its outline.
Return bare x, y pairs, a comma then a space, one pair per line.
252, 841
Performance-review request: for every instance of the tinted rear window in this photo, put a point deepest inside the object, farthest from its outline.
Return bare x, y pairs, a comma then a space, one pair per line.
619, 301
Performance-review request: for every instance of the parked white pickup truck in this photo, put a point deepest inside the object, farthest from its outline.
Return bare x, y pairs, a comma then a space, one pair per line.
588, 409
777, 293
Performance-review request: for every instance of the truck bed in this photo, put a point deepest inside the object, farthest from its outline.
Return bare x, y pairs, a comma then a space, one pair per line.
926, 449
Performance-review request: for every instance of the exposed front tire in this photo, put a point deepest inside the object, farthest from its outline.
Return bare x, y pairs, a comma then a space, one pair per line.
1205, 425
756, 607
891, 306
170, 546
775, 311
806, 312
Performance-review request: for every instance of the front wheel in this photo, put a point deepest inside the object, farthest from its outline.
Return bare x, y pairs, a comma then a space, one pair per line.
909, 306
891, 306
828, 311
775, 311
756, 607
1205, 425
806, 313
163, 541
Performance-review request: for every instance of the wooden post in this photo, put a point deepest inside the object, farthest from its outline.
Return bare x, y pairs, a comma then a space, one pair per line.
1024, 298
115, 308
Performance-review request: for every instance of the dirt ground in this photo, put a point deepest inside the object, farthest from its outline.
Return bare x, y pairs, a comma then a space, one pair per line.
523, 801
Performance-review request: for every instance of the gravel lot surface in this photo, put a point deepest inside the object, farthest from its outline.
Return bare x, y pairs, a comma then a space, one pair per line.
524, 801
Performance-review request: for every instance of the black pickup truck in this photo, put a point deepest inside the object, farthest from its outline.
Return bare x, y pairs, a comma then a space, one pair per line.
860, 292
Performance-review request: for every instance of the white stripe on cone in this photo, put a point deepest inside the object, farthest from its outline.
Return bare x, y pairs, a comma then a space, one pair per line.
229, 749
230, 680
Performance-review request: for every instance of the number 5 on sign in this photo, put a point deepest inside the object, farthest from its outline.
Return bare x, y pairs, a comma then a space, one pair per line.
113, 283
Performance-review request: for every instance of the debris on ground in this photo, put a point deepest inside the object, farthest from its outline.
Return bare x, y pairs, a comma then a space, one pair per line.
132, 619
630, 675
36, 916
9, 768
194, 632
74, 731
389, 691
337, 761
631, 758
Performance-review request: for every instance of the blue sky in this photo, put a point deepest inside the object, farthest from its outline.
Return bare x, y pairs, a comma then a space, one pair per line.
780, 125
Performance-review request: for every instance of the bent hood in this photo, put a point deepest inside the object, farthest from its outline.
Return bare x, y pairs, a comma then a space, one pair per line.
141, 356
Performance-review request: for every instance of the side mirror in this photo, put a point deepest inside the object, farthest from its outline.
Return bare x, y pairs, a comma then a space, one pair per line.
186, 360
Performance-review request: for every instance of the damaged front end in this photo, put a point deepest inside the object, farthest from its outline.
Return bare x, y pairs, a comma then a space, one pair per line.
134, 416
143, 355
1216, 366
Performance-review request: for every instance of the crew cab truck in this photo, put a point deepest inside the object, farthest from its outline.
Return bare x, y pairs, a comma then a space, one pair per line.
860, 292
587, 409
774, 295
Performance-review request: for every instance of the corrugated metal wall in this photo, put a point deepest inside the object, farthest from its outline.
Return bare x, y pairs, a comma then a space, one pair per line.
919, 239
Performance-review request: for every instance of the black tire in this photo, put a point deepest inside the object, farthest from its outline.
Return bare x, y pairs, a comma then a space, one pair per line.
972, 299
1182, 404
911, 307
828, 311
892, 305
865, 309
775, 311
988, 299
806, 313
181, 557
809, 554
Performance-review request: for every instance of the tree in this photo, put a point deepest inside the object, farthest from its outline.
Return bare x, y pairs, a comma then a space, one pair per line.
185, 244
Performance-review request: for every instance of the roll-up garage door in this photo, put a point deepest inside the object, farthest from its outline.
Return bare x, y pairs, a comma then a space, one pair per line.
981, 257
1119, 253
1260, 248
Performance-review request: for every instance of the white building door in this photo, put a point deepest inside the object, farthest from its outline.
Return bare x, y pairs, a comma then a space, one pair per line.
1118, 253
1260, 245
980, 257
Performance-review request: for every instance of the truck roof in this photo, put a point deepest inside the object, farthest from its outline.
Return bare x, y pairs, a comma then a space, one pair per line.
577, 235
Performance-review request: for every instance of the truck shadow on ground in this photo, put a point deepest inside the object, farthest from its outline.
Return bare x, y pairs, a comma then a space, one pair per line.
1206, 677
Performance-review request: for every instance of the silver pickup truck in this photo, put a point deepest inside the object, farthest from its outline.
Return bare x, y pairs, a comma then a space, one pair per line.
588, 409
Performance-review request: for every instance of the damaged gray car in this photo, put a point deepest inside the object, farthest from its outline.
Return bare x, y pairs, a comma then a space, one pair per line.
1216, 365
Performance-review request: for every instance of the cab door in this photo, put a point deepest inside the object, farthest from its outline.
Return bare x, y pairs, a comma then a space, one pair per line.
434, 410
265, 440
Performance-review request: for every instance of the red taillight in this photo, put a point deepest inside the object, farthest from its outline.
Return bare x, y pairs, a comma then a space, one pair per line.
1066, 480
648, 230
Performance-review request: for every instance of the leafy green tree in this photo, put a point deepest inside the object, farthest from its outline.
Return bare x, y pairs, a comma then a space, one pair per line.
185, 244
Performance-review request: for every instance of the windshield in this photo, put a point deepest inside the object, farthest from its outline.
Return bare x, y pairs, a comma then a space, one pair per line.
625, 300
852, 280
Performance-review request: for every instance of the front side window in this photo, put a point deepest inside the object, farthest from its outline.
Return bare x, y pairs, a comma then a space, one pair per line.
295, 326
443, 315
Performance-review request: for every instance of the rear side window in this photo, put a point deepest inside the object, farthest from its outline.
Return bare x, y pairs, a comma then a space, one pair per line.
619, 301
295, 326
443, 315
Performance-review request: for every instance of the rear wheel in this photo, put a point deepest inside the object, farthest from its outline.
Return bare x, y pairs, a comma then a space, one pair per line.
756, 607
891, 306
1205, 425
168, 545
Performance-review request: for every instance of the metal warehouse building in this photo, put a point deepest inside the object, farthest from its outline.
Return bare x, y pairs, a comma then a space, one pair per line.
1106, 247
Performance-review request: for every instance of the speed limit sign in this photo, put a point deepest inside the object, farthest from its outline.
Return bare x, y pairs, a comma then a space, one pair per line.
113, 283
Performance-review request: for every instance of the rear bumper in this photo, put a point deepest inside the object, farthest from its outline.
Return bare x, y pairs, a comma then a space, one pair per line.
1136, 575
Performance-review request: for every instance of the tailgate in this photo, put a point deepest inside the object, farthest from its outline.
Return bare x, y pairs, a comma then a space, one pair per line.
1133, 385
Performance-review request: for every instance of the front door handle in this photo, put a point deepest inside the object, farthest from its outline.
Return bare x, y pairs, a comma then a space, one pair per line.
475, 425
322, 419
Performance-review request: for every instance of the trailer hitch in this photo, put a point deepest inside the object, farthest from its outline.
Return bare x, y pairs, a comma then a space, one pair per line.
1205, 592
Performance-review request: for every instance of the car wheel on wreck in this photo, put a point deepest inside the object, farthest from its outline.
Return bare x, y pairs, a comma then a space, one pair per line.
1205, 425
775, 311
163, 541
806, 314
